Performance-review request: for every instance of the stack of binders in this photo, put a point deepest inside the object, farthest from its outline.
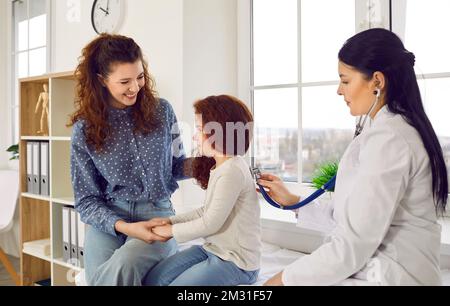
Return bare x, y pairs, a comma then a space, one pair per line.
38, 168
73, 237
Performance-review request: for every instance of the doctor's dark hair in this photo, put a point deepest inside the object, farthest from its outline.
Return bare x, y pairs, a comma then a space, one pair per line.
381, 50
92, 98
227, 113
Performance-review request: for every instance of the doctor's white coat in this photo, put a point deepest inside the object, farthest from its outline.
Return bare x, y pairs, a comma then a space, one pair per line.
386, 230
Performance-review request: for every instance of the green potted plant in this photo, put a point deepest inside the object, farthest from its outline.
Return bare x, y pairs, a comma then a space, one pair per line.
14, 149
14, 160
323, 174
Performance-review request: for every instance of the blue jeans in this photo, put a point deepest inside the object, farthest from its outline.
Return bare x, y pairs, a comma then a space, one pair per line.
122, 260
197, 267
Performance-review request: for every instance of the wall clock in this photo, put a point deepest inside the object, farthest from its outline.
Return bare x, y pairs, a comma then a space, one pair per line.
107, 15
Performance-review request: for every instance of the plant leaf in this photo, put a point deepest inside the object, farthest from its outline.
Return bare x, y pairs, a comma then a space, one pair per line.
13, 148
324, 173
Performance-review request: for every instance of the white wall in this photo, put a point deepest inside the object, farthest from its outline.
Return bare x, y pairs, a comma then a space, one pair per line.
5, 137
155, 25
209, 62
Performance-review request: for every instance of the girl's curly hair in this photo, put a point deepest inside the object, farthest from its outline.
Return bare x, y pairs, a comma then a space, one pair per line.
228, 112
99, 58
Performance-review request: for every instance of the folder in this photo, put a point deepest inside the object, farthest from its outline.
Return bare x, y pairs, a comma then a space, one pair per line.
36, 168
66, 224
73, 238
44, 177
29, 167
81, 234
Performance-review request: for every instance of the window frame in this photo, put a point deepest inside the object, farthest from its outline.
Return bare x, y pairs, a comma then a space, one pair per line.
399, 26
299, 187
13, 64
246, 87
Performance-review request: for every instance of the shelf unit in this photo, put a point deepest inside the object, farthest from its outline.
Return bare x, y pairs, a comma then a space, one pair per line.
41, 216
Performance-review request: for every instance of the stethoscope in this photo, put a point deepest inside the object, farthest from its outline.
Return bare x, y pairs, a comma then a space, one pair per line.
328, 186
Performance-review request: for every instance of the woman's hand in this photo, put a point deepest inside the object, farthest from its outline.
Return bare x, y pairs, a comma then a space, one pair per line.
277, 190
163, 221
275, 280
163, 231
142, 230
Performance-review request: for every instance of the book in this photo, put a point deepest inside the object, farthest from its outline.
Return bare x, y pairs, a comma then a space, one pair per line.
39, 246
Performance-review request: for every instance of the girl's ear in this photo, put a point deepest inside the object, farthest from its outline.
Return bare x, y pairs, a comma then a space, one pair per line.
101, 79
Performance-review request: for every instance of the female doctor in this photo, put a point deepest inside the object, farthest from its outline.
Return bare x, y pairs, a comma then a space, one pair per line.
392, 180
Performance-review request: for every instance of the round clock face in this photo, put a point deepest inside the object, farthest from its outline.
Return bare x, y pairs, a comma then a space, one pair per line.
107, 15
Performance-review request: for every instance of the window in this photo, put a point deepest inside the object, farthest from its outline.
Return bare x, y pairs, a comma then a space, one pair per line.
295, 79
30, 46
415, 23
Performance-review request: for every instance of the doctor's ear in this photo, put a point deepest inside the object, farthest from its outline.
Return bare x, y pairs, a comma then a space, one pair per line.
379, 80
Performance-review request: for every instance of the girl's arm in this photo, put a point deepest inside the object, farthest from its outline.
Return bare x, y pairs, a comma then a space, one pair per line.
225, 193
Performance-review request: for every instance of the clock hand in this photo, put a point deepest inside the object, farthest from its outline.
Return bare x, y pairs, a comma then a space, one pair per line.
107, 5
102, 9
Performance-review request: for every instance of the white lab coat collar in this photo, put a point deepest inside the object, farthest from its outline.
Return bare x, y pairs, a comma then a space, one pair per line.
382, 113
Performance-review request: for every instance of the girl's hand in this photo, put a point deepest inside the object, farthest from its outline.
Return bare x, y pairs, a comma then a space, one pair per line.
277, 190
163, 231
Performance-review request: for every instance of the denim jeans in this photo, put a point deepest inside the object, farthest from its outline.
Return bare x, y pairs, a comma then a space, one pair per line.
122, 260
197, 267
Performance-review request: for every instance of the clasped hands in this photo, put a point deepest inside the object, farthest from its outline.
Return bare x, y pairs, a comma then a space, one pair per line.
157, 229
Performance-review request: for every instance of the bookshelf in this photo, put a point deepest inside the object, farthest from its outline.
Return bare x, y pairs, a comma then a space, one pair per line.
41, 216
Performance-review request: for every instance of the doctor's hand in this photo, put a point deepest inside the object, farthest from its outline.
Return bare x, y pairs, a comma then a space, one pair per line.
141, 230
277, 190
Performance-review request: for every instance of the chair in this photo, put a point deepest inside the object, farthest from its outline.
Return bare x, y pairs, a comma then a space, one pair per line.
9, 192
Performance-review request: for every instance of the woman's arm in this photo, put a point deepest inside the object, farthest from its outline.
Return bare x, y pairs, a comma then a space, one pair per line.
180, 164
277, 190
90, 202
88, 186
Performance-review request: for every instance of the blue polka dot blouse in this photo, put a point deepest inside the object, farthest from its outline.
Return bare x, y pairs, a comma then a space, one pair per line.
132, 167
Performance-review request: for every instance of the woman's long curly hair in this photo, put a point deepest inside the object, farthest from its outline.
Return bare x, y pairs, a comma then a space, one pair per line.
98, 59
226, 112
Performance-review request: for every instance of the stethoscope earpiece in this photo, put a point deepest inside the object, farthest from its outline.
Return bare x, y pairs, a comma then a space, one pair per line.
361, 123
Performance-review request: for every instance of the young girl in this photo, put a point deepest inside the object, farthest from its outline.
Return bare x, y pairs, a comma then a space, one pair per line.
230, 218
122, 163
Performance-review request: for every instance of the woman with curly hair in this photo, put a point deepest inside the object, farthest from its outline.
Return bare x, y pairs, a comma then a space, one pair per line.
230, 218
123, 166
